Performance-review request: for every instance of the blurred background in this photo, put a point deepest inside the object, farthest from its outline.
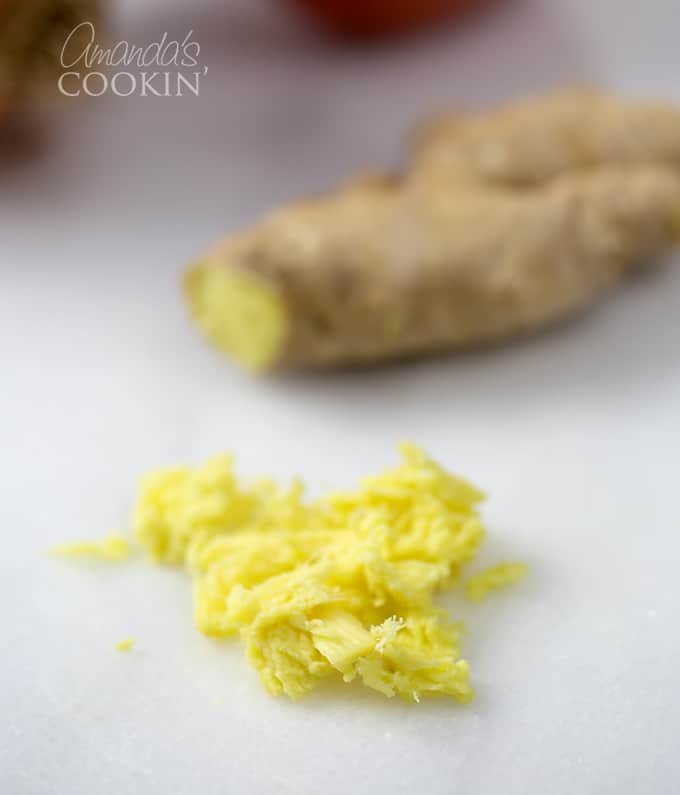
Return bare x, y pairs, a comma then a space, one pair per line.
286, 108
574, 433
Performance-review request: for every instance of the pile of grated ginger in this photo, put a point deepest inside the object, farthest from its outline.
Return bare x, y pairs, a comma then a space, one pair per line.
338, 587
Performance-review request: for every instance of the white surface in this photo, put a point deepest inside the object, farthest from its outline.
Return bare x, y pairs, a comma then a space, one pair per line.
575, 434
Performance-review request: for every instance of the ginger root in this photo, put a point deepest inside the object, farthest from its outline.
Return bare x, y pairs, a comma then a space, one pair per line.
454, 252
527, 143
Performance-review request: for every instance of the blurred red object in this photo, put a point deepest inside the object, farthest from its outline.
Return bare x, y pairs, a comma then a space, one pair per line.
376, 18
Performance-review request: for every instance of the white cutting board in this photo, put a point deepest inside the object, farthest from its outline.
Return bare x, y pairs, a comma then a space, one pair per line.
575, 434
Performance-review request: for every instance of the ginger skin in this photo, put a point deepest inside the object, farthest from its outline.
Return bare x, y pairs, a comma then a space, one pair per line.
450, 254
527, 143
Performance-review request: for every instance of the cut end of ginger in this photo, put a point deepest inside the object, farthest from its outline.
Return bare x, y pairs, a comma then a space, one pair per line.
341, 587
113, 548
240, 313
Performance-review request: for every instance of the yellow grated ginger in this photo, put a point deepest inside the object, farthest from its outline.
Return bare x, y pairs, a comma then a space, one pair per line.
127, 644
342, 586
493, 578
113, 548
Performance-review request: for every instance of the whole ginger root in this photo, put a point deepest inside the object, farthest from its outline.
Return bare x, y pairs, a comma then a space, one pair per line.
503, 223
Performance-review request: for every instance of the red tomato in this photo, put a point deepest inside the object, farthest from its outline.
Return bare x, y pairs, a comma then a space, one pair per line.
371, 18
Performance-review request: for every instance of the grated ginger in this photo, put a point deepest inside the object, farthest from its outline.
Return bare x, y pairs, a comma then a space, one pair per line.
342, 586
112, 548
127, 644
492, 579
